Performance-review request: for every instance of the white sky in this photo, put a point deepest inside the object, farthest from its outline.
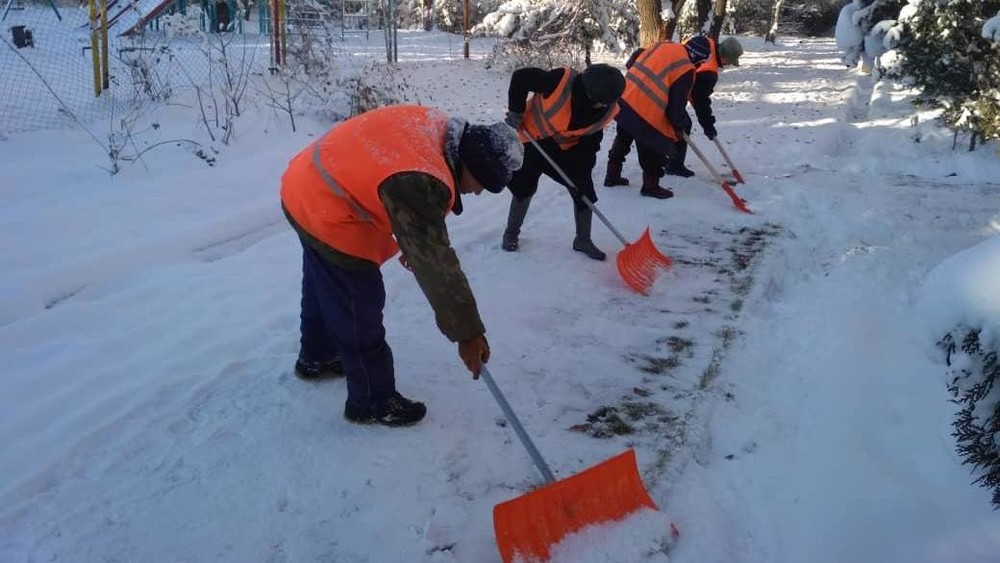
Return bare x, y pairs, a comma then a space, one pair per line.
149, 325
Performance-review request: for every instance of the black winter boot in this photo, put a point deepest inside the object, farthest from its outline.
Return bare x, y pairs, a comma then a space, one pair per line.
312, 371
675, 165
396, 410
582, 243
651, 187
515, 218
613, 177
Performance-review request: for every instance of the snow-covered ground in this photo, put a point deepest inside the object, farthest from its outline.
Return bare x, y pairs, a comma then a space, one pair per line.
781, 390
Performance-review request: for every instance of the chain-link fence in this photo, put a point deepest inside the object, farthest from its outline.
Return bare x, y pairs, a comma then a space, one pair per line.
214, 57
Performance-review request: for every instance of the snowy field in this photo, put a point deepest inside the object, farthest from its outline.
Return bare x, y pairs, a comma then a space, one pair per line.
779, 384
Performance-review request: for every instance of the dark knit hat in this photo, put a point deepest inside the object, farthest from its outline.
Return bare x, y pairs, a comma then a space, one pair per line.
491, 153
698, 49
604, 83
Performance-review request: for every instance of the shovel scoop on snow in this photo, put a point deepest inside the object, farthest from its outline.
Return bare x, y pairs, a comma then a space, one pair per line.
528, 526
639, 262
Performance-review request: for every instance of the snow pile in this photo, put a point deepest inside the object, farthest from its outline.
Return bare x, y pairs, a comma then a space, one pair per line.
643, 537
964, 290
991, 29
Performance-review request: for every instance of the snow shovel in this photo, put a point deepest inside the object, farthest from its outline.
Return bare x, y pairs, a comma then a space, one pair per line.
527, 526
729, 161
638, 261
739, 202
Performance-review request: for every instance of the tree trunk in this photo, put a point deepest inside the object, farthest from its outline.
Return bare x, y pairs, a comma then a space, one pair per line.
427, 7
772, 33
650, 22
720, 18
704, 9
668, 29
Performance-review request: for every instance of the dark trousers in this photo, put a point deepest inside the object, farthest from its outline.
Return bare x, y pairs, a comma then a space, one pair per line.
524, 183
620, 146
652, 161
342, 317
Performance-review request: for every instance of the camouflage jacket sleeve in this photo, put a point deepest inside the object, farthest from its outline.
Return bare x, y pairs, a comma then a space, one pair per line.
416, 204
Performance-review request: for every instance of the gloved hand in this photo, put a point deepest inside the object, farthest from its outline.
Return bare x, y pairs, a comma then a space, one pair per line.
474, 353
710, 132
514, 119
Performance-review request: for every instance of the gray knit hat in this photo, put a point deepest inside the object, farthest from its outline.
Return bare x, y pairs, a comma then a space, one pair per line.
491, 153
730, 51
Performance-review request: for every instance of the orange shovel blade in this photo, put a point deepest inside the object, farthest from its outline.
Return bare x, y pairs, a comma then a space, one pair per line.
638, 263
529, 525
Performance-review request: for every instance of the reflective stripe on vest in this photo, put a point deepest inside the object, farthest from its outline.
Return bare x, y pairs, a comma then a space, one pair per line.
335, 187
662, 93
550, 117
649, 81
331, 189
543, 109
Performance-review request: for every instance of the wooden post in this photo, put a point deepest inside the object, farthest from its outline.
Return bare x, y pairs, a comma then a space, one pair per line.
276, 35
106, 73
465, 28
94, 46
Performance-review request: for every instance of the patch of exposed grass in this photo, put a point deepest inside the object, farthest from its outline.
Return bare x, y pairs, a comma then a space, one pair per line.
679, 345
728, 335
635, 410
736, 306
712, 370
605, 422
658, 365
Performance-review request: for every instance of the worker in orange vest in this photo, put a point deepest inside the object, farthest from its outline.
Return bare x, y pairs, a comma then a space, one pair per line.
706, 77
565, 112
373, 185
653, 107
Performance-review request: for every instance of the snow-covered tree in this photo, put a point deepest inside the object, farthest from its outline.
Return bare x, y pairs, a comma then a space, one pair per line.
553, 32
943, 53
449, 14
974, 381
862, 27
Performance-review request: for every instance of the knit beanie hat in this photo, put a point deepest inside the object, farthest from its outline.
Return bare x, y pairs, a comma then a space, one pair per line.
730, 51
698, 49
604, 83
491, 153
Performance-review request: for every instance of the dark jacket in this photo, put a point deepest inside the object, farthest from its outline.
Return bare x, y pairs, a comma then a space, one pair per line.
701, 98
542, 82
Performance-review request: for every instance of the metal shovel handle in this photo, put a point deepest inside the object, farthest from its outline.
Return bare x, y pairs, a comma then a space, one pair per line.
572, 186
518, 429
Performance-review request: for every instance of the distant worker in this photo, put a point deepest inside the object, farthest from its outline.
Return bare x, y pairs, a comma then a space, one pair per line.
566, 114
705, 78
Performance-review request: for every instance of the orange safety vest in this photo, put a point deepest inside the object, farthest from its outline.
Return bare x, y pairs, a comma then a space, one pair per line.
711, 64
647, 83
331, 187
549, 116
